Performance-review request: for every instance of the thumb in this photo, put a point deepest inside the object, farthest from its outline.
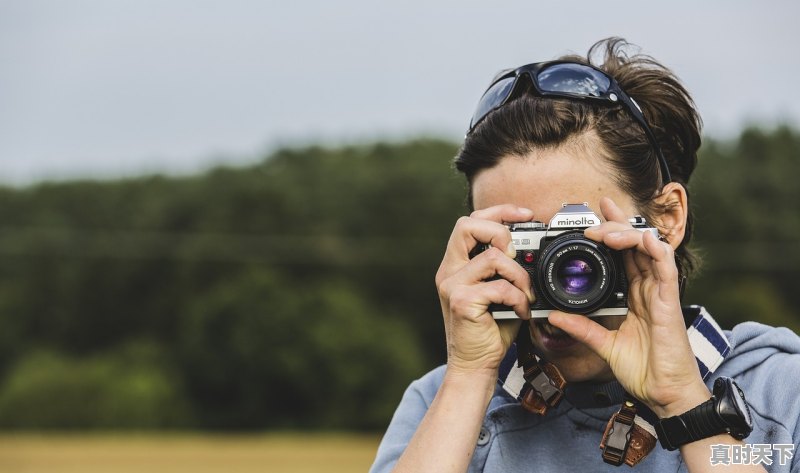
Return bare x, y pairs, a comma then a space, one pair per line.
585, 330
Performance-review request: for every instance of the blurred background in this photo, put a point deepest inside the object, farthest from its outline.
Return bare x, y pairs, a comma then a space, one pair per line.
220, 221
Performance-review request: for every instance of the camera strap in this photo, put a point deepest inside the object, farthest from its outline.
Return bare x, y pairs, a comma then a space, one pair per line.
629, 435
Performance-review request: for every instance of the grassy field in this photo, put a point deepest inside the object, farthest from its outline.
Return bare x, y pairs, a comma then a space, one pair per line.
179, 453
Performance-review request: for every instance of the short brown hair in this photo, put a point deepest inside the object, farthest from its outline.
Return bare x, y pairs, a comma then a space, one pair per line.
530, 122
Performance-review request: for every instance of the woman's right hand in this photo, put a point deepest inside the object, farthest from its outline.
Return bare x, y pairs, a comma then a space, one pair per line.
475, 341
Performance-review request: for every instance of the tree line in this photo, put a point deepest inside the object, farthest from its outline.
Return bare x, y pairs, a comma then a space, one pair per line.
298, 292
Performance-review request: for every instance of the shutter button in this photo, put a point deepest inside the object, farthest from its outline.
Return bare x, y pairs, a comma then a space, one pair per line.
483, 437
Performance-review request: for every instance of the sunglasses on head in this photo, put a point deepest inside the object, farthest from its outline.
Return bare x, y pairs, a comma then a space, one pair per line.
569, 80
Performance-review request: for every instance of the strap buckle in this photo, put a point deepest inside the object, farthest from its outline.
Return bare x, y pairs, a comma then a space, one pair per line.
544, 387
617, 436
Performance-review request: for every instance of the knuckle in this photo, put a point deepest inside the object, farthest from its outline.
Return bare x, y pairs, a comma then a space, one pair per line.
503, 290
515, 297
440, 278
459, 302
494, 255
462, 224
505, 234
463, 220
522, 275
509, 294
447, 287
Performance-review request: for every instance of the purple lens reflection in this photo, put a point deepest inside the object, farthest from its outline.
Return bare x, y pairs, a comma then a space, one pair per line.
576, 276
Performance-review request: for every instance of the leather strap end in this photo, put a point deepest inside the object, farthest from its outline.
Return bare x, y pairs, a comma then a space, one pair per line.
632, 442
546, 386
532, 401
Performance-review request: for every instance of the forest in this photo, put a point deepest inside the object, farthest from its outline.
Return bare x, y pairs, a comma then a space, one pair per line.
297, 292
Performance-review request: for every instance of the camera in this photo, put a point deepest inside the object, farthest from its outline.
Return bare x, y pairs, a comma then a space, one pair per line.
568, 271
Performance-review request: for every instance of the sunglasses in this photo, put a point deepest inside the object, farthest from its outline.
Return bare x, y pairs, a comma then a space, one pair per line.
565, 80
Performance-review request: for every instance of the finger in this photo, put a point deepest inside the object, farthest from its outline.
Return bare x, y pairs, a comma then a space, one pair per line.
483, 227
650, 254
585, 330
503, 292
473, 301
598, 232
611, 211
664, 267
491, 263
505, 213
637, 259
631, 268
629, 238
467, 233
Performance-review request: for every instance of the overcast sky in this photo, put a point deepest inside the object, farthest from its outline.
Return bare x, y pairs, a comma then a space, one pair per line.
116, 87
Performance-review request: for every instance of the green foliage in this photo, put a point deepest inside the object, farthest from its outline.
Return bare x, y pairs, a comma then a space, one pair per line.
299, 292
746, 196
130, 388
256, 349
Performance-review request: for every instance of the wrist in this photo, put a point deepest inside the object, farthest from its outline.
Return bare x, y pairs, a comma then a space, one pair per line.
725, 412
690, 398
471, 383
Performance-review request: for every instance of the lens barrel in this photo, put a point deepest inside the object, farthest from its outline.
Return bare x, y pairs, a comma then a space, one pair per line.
575, 274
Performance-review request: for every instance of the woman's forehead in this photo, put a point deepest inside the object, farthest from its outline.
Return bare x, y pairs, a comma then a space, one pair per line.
546, 180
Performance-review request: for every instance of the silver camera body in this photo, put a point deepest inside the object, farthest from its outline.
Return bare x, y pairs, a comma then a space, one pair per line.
568, 271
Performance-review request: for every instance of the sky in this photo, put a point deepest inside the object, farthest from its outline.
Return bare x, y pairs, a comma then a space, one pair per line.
108, 88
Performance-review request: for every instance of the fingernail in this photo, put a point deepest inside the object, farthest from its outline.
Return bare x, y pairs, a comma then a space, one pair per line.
525, 210
531, 299
511, 250
614, 235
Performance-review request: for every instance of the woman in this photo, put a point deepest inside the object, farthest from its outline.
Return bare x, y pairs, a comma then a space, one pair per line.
571, 392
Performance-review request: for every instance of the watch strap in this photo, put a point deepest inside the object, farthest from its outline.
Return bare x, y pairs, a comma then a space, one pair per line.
695, 424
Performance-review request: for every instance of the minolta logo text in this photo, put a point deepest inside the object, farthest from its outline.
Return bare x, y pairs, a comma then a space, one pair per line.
576, 222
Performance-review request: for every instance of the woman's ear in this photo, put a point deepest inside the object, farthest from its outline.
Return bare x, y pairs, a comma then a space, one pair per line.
673, 213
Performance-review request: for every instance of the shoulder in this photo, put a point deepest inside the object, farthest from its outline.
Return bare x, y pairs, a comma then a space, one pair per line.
416, 400
423, 390
761, 348
415, 403
765, 362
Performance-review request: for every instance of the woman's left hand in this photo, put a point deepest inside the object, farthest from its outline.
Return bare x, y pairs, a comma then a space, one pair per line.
649, 353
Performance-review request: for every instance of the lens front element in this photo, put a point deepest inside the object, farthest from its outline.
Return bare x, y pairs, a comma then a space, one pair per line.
576, 276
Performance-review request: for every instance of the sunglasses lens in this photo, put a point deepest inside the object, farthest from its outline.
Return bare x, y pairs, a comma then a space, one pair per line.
493, 98
573, 79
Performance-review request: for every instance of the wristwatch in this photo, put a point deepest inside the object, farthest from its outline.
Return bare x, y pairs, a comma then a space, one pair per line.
726, 412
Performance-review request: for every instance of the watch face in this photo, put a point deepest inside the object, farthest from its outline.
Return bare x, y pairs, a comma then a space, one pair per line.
741, 405
732, 408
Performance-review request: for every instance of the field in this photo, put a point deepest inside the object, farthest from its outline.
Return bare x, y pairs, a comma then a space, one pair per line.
179, 453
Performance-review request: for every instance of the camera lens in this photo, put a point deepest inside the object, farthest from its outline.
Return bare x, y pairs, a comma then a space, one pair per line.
576, 276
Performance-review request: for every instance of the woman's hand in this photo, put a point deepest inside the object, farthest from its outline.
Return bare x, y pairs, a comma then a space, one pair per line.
475, 342
445, 438
650, 353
